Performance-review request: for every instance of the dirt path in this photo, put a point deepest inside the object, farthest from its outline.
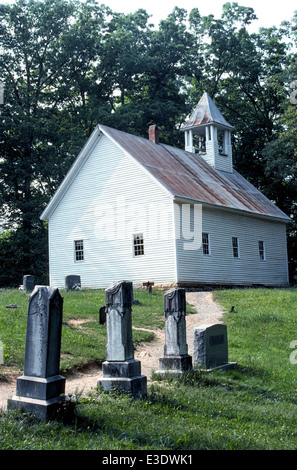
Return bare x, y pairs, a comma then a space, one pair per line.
207, 311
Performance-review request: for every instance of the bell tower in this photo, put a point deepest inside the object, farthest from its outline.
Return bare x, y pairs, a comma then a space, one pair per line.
208, 134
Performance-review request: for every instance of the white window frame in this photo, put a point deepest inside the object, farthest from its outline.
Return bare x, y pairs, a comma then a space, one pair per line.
206, 244
262, 251
79, 251
235, 247
135, 246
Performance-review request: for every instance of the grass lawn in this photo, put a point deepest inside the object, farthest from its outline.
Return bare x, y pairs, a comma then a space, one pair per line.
80, 345
250, 408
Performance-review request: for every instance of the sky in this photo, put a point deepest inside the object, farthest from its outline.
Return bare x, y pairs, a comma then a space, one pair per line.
269, 13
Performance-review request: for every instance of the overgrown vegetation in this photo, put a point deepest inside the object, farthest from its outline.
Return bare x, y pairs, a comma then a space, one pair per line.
251, 407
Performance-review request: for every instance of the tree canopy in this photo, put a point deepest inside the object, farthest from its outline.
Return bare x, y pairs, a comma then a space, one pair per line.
68, 65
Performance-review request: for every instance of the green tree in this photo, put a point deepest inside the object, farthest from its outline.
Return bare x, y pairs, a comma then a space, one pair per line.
147, 69
46, 51
248, 75
280, 155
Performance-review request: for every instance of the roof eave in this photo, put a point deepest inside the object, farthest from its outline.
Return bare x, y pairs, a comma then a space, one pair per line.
75, 167
205, 124
182, 199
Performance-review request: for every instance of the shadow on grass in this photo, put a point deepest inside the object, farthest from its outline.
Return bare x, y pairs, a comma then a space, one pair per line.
156, 426
199, 377
161, 420
256, 382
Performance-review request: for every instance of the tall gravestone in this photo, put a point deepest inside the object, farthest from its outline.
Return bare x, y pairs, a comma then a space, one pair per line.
38, 390
28, 283
176, 357
120, 370
211, 347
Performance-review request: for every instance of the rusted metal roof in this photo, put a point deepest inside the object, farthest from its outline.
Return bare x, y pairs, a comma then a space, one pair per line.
206, 112
188, 176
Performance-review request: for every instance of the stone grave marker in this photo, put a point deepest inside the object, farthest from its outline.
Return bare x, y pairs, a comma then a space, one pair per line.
176, 358
38, 390
211, 347
149, 286
72, 282
120, 370
28, 283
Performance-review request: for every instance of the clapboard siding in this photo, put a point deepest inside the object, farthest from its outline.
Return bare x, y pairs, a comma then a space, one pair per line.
109, 194
220, 267
92, 207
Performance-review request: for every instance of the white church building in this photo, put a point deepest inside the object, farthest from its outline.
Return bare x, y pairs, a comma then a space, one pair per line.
134, 209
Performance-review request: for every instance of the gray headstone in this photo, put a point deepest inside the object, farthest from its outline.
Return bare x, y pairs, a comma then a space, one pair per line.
28, 283
38, 390
72, 281
176, 356
121, 370
210, 346
44, 328
118, 300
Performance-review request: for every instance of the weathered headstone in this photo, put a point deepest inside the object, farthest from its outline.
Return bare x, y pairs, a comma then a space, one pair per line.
176, 357
120, 370
28, 283
72, 282
211, 347
38, 390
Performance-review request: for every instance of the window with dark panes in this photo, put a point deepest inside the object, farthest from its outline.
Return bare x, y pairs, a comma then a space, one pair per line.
205, 244
235, 246
261, 250
138, 244
79, 250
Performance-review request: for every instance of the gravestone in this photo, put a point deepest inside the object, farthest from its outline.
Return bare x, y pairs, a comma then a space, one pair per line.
149, 286
120, 370
72, 282
176, 358
211, 347
38, 390
28, 283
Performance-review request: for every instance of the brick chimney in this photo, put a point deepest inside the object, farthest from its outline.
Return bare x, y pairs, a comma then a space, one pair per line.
154, 133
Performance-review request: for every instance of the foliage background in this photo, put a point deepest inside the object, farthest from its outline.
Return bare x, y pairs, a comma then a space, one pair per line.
68, 65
